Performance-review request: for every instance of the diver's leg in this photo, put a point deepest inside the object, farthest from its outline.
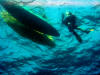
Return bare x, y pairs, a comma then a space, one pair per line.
77, 36
83, 30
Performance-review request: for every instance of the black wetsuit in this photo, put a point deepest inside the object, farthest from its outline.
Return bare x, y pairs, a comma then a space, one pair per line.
70, 22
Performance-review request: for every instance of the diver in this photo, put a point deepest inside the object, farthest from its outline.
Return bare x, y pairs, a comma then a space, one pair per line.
70, 22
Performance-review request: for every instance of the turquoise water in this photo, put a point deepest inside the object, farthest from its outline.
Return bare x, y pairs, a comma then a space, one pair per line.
21, 56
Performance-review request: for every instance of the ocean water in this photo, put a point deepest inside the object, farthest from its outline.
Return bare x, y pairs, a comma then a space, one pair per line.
22, 56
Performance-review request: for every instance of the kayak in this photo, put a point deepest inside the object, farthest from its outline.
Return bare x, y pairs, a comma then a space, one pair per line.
29, 20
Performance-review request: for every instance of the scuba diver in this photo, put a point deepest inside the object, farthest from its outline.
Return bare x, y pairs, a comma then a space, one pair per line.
70, 22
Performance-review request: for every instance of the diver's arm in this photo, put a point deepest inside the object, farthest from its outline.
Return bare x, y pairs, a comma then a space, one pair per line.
63, 18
